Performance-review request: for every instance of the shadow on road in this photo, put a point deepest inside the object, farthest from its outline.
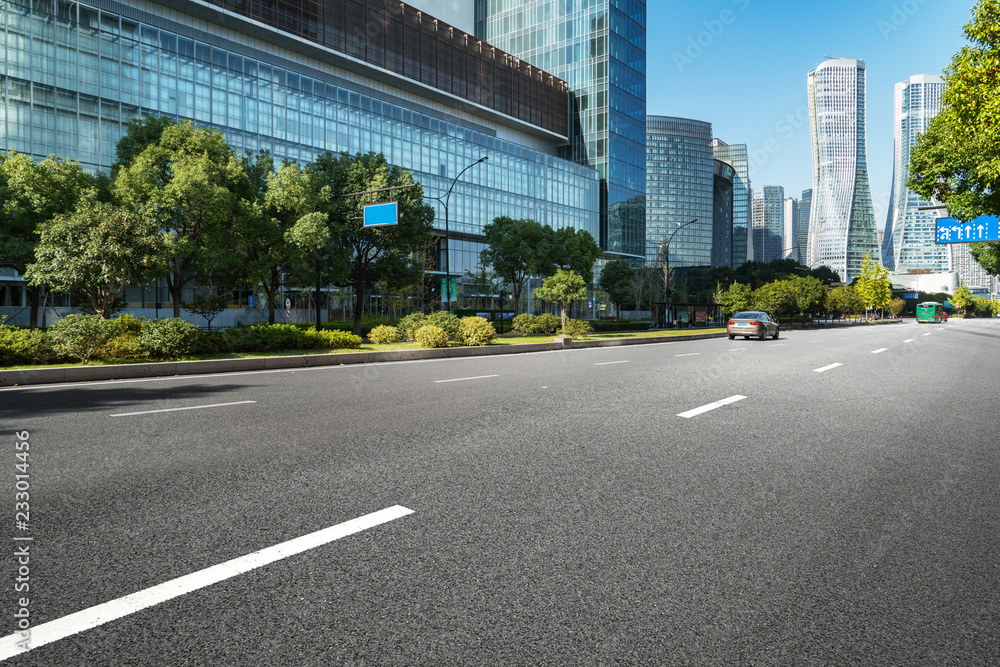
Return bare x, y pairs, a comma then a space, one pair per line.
45, 402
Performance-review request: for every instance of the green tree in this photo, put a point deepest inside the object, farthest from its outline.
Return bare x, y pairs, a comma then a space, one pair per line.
517, 250
873, 285
576, 250
775, 298
957, 160
389, 255
285, 233
808, 294
896, 307
31, 194
563, 288
963, 298
187, 182
736, 298
616, 279
140, 134
843, 300
99, 249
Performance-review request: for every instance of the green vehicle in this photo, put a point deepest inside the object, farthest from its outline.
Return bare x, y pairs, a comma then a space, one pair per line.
930, 311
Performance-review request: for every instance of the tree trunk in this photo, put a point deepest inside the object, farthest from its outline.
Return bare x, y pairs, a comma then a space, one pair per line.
175, 286
34, 299
319, 315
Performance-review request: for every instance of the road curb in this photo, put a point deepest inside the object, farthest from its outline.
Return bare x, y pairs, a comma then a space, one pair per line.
64, 374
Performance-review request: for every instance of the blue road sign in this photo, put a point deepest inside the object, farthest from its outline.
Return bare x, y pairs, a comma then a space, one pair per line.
380, 215
911, 295
983, 228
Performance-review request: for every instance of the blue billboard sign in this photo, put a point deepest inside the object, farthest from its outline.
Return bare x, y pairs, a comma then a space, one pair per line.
380, 215
911, 295
983, 228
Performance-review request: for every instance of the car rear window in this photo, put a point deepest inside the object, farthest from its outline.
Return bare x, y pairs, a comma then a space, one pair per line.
746, 316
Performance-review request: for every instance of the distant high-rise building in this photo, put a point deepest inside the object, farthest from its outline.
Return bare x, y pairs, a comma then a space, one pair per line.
805, 204
841, 222
970, 273
908, 242
736, 156
768, 222
722, 206
599, 48
680, 178
790, 249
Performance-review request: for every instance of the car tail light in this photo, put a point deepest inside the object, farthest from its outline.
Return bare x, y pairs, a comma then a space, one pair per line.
731, 322
755, 323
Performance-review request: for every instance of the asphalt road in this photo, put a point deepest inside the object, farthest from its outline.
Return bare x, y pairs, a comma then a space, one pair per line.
563, 511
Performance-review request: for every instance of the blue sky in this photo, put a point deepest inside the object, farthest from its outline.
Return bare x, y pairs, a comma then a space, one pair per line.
742, 65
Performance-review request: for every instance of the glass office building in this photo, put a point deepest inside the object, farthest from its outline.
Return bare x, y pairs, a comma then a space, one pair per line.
736, 156
722, 205
805, 205
296, 81
680, 182
768, 223
909, 237
599, 48
791, 249
841, 223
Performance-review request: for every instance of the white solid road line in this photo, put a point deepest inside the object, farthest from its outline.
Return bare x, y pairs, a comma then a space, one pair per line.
53, 631
478, 377
710, 406
826, 368
880, 350
608, 363
193, 407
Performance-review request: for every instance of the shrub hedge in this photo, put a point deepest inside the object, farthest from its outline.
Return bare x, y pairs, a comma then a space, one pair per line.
431, 336
383, 335
82, 337
475, 331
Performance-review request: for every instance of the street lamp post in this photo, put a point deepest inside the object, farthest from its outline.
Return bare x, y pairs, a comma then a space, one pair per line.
447, 250
666, 276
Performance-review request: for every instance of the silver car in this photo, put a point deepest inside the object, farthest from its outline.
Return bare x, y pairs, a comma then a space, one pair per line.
752, 323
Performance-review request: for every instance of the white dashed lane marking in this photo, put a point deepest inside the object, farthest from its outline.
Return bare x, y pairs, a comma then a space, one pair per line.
53, 631
192, 407
826, 368
710, 406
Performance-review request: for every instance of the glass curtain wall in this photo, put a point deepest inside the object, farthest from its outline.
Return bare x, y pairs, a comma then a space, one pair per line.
599, 48
74, 75
680, 187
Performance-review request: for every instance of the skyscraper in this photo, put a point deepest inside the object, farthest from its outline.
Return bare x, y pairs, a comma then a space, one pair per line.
805, 204
790, 248
680, 178
768, 223
722, 204
841, 222
908, 242
736, 156
599, 48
